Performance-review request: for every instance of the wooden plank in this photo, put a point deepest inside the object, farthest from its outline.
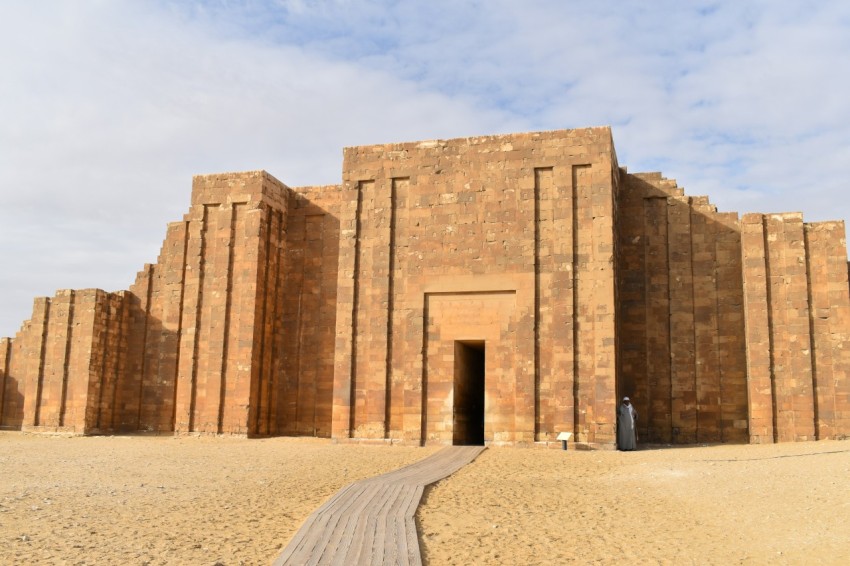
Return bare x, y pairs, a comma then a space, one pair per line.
372, 521
316, 522
372, 540
414, 553
340, 539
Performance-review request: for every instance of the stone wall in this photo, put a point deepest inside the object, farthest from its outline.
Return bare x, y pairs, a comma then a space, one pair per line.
186, 349
231, 331
829, 320
11, 399
798, 310
526, 274
111, 348
53, 371
681, 339
305, 294
472, 240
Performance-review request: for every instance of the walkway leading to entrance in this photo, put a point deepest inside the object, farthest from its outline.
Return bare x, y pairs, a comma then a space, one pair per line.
371, 521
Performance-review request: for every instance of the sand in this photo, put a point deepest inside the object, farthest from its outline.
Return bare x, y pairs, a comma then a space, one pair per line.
163, 500
769, 504
166, 500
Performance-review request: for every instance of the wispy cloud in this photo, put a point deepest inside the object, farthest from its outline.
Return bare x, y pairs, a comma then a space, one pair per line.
110, 107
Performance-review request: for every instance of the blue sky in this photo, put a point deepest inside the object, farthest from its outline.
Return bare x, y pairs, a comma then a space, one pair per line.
110, 106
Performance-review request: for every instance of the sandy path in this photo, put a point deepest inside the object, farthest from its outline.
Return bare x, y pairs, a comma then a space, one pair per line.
143, 500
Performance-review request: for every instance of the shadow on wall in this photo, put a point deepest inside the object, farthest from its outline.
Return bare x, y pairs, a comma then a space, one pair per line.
682, 352
232, 331
11, 404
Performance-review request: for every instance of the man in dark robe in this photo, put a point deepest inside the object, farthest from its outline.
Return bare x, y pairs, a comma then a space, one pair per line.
626, 417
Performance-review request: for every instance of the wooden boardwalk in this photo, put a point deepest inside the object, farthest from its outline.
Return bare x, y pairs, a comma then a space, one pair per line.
371, 521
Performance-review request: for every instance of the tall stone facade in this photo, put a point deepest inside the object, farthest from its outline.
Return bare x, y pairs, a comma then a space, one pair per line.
498, 289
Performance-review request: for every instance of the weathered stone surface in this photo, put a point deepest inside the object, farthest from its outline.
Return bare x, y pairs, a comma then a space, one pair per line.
525, 276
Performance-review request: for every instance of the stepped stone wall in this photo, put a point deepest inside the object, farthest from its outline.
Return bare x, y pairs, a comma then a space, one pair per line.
55, 370
231, 331
525, 277
682, 348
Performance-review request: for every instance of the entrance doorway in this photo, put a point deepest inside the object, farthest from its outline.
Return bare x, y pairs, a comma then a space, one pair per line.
468, 421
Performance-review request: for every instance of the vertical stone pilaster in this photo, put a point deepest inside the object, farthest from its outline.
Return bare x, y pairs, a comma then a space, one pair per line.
682, 347
731, 332
213, 328
398, 361
562, 402
706, 346
791, 339
758, 329
244, 327
595, 319
544, 343
54, 374
658, 340
112, 346
131, 383
87, 361
585, 308
553, 302
27, 364
829, 312
347, 294
193, 269
262, 418
604, 186
372, 308
7, 385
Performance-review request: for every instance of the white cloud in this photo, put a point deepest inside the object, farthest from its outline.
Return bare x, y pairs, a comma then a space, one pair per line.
110, 107
108, 121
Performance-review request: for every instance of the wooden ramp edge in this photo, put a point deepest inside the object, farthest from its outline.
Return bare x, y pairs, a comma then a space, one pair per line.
372, 521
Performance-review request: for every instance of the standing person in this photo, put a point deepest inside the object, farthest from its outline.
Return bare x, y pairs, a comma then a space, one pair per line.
626, 434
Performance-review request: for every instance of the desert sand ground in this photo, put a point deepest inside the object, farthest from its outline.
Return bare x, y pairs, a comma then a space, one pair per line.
162, 500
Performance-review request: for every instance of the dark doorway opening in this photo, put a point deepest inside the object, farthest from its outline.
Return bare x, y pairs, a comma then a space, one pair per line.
468, 422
